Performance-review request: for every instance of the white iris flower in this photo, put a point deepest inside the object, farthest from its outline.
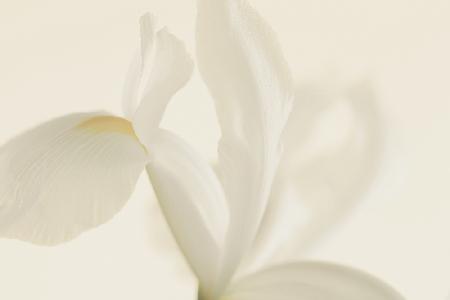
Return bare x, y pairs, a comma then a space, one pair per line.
74, 173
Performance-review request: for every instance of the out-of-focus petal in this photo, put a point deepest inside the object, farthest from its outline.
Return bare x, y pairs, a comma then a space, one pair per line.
192, 200
311, 281
67, 176
333, 147
244, 69
161, 68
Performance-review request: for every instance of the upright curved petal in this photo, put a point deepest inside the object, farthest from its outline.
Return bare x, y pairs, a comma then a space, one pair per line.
160, 69
244, 69
66, 176
192, 200
311, 281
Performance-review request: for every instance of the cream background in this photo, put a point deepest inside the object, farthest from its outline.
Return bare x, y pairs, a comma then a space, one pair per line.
58, 57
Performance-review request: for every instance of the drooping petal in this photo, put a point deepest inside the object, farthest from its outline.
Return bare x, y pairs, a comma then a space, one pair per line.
192, 200
311, 281
245, 71
160, 69
66, 176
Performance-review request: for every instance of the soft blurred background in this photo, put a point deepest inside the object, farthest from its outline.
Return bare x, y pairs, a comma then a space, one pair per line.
371, 140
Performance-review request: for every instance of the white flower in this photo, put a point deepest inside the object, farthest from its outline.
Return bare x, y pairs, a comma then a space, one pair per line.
74, 173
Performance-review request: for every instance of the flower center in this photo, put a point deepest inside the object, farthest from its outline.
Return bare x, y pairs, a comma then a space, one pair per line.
109, 124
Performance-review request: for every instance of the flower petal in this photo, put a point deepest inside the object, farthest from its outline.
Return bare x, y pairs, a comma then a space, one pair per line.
66, 176
192, 200
162, 67
240, 61
311, 281
326, 179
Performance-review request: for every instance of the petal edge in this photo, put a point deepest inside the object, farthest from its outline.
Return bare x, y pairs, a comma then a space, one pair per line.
310, 280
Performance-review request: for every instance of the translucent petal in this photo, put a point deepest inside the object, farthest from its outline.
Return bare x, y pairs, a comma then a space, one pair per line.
311, 281
66, 176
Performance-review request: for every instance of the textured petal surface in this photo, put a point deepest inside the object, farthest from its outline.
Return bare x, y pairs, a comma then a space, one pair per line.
244, 69
311, 281
67, 176
192, 200
160, 69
